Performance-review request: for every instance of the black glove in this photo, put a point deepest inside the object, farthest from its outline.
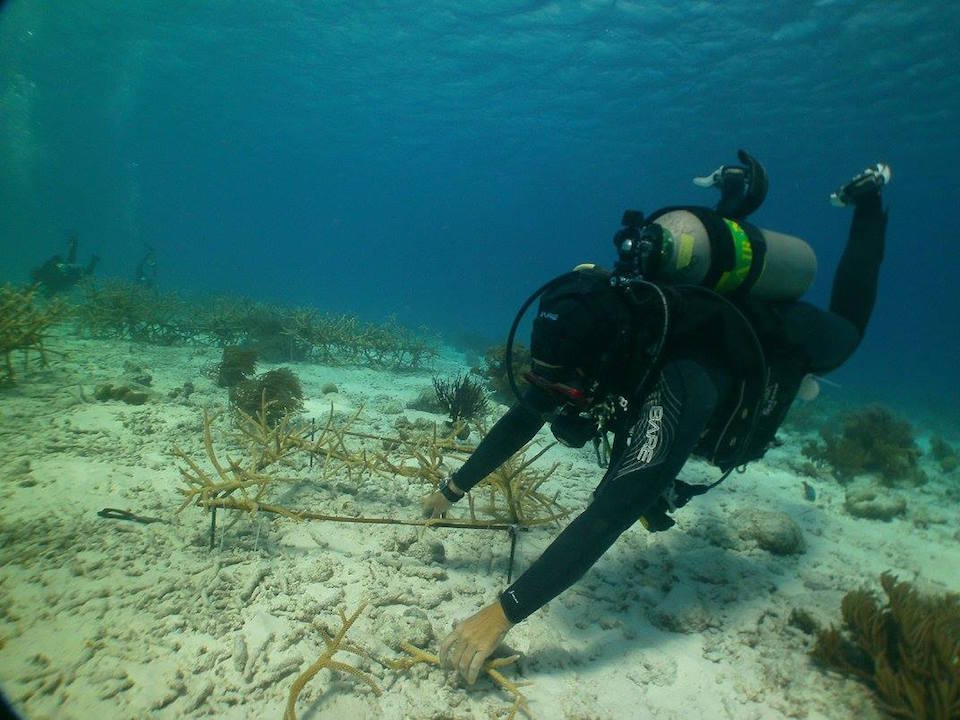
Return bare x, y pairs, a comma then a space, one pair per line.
742, 187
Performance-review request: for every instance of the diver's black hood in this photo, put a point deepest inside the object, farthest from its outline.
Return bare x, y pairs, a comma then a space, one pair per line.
580, 323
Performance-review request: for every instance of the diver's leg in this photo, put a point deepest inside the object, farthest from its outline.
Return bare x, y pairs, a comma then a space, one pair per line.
855, 282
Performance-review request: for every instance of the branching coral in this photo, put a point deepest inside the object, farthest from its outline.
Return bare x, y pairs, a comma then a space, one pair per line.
23, 326
204, 489
907, 650
268, 444
222, 319
513, 492
872, 440
244, 486
334, 644
490, 667
128, 311
345, 338
421, 455
277, 442
510, 496
337, 642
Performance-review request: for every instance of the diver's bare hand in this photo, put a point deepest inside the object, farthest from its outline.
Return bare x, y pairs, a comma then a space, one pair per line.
474, 640
435, 505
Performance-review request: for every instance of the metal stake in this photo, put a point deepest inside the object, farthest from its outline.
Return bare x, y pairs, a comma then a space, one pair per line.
513, 548
213, 525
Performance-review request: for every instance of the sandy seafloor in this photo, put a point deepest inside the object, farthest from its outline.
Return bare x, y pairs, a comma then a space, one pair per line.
111, 619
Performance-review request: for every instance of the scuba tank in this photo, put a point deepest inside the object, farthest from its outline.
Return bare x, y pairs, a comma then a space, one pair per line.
693, 245
763, 264
718, 249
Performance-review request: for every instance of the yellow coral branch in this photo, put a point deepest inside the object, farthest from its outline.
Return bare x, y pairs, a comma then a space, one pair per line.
326, 661
490, 667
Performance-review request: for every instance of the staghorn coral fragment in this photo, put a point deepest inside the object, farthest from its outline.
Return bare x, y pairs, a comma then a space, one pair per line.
24, 324
130, 311
420, 455
277, 442
334, 644
513, 495
204, 489
490, 667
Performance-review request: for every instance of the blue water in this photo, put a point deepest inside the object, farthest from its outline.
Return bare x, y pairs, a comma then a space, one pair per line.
438, 161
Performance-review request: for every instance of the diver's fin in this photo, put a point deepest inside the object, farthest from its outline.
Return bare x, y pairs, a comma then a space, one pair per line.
711, 180
867, 182
742, 187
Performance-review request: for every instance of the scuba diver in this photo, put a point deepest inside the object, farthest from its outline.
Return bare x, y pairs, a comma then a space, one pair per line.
57, 274
146, 271
695, 344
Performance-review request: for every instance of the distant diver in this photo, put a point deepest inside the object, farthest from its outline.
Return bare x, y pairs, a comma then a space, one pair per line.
695, 344
146, 271
57, 275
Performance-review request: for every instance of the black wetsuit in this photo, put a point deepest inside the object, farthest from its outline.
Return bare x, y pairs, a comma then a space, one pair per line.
57, 274
688, 410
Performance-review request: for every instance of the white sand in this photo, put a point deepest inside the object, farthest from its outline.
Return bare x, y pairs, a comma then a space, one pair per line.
104, 618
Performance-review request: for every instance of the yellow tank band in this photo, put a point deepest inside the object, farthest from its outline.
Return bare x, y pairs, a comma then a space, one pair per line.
742, 259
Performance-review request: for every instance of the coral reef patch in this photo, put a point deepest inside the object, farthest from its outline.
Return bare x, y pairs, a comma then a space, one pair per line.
871, 440
906, 649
